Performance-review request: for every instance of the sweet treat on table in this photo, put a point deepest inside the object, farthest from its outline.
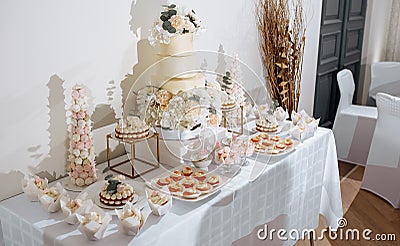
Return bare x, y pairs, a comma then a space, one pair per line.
133, 129
203, 186
176, 175
175, 187
263, 125
188, 182
280, 146
256, 139
158, 198
163, 181
52, 192
260, 147
176, 61
213, 180
115, 192
275, 138
200, 175
187, 171
264, 136
191, 193
93, 223
228, 103
267, 143
288, 142
81, 151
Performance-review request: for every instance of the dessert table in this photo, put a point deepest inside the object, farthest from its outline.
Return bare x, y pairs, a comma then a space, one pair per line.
299, 186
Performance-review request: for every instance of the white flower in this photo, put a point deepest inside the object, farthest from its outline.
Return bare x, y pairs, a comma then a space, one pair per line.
177, 22
84, 154
76, 137
74, 122
81, 123
78, 161
75, 108
88, 181
80, 182
76, 152
86, 162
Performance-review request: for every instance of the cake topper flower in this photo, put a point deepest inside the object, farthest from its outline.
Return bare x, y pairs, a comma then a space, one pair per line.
174, 20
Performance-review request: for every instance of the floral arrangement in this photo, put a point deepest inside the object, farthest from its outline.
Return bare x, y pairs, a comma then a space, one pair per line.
185, 111
82, 166
174, 20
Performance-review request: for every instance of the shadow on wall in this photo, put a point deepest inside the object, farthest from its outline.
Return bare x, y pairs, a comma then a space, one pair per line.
58, 134
140, 24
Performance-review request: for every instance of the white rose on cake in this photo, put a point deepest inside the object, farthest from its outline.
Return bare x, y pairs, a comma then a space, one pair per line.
76, 152
81, 123
76, 137
84, 154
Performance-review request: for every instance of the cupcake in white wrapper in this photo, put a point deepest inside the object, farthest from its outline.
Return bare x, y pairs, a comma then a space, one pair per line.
296, 117
71, 208
93, 223
131, 218
280, 114
33, 187
159, 202
50, 198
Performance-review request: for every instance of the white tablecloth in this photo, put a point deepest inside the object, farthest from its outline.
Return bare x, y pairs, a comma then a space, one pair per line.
300, 186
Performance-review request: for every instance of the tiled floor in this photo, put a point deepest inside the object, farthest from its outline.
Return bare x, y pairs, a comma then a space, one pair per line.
362, 210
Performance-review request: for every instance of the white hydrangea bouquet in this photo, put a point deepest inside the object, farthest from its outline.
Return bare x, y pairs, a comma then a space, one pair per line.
174, 20
185, 111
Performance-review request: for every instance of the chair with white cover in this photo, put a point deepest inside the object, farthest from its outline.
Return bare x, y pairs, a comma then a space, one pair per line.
354, 125
385, 77
382, 173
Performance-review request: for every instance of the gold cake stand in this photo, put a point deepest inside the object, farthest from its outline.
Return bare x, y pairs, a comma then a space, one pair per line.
132, 143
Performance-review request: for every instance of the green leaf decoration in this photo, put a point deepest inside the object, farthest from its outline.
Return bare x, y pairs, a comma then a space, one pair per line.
172, 6
172, 30
164, 17
228, 74
166, 25
106, 169
109, 176
172, 12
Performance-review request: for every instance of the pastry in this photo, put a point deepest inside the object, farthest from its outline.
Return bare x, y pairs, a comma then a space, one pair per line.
203, 187
200, 175
176, 175
163, 181
158, 198
275, 138
133, 129
115, 192
263, 125
175, 187
187, 171
213, 180
256, 139
190, 193
188, 182
288, 142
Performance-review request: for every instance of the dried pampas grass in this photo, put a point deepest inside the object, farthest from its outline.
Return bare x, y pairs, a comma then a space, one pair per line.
281, 29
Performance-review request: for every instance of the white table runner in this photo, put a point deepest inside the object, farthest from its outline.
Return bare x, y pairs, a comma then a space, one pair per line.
301, 186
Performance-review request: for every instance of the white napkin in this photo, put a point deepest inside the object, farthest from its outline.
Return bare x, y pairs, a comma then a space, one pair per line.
129, 223
31, 190
52, 204
71, 216
90, 226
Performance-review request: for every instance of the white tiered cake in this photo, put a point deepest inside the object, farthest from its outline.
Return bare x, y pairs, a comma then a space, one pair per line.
176, 65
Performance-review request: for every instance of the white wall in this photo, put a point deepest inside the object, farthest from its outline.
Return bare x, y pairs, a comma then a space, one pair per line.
374, 43
47, 46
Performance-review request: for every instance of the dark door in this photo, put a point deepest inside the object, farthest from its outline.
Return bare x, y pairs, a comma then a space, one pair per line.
341, 36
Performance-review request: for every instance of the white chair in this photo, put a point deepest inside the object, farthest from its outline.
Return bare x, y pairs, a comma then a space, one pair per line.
354, 125
385, 77
382, 173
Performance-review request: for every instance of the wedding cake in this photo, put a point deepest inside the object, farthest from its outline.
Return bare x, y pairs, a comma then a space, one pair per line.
176, 62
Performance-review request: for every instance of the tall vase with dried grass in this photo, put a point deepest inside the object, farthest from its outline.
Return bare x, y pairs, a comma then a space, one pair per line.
281, 29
